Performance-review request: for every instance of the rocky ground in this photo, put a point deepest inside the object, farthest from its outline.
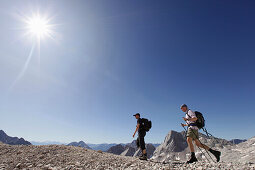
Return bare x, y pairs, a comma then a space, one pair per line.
70, 157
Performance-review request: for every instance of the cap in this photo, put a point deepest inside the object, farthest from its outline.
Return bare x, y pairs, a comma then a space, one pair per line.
183, 105
137, 114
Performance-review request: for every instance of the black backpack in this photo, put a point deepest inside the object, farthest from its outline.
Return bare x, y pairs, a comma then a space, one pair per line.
146, 124
200, 122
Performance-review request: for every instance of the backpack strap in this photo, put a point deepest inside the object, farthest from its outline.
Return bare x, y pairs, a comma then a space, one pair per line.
191, 124
188, 114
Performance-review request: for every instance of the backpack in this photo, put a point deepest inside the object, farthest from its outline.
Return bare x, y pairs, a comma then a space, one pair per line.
200, 122
146, 124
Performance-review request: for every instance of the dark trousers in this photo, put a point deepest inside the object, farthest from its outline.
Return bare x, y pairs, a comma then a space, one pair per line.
140, 140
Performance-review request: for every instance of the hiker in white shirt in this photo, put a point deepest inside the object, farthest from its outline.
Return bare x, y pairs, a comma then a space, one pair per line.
192, 134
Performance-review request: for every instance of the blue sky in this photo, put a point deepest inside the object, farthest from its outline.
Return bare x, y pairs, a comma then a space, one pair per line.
110, 59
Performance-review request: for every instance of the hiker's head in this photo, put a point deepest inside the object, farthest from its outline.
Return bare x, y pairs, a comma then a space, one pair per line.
137, 115
184, 108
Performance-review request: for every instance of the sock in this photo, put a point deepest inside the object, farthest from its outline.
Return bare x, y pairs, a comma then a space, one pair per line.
192, 154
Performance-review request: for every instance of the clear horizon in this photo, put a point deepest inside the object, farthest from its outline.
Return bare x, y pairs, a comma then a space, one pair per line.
67, 142
100, 62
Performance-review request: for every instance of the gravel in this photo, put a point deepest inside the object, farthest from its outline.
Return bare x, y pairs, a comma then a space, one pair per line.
54, 157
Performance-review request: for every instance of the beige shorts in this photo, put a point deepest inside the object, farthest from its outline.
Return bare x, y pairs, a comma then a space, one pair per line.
192, 133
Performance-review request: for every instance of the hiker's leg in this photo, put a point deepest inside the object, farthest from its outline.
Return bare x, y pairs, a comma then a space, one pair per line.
142, 142
144, 151
192, 134
199, 144
189, 141
142, 145
214, 152
191, 147
190, 137
138, 142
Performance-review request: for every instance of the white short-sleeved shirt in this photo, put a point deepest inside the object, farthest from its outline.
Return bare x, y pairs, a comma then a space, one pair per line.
190, 114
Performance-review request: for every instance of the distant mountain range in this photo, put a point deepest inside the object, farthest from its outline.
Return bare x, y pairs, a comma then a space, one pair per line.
12, 140
103, 147
130, 149
117, 149
47, 143
237, 141
79, 144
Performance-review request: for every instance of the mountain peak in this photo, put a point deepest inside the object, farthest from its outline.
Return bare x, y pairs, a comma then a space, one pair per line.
175, 146
79, 144
117, 149
2, 132
237, 141
12, 140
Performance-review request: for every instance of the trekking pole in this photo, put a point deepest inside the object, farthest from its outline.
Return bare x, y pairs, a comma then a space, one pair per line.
199, 147
203, 146
199, 141
210, 135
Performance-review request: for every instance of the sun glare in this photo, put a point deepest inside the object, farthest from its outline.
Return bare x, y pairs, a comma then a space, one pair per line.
38, 26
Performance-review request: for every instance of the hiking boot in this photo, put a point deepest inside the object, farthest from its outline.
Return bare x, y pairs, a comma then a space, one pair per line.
216, 154
192, 159
144, 157
140, 156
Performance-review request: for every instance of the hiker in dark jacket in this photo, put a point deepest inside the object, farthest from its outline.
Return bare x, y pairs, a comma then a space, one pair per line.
141, 134
192, 134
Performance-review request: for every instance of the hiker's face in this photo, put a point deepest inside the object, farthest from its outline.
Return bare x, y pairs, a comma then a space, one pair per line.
184, 109
137, 116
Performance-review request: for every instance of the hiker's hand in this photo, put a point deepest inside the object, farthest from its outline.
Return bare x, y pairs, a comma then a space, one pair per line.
133, 135
183, 124
185, 119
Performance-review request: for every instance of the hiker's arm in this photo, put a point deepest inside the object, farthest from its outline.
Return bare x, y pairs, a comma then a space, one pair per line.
190, 119
137, 127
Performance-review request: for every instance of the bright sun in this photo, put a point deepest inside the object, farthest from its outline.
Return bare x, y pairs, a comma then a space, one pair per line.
38, 26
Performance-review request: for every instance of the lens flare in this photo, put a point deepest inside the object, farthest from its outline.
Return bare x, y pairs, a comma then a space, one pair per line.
38, 26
